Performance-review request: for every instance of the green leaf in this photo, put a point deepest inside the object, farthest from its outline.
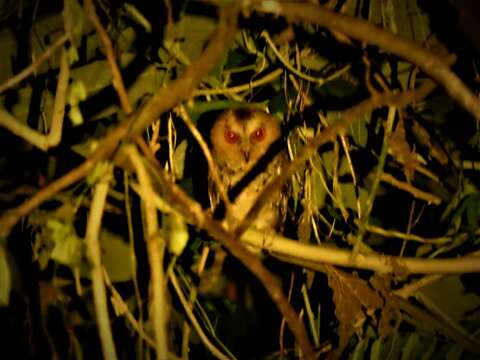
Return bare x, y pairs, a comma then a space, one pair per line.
360, 350
455, 353
376, 351
74, 18
177, 231
138, 17
68, 246
75, 116
179, 159
411, 347
5, 278
115, 256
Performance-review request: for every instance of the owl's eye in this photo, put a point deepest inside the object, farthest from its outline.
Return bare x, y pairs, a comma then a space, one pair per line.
230, 136
258, 135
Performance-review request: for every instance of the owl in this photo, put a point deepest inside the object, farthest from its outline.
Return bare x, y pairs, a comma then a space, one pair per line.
239, 139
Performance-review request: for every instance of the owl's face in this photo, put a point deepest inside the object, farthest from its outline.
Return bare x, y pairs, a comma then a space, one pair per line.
242, 136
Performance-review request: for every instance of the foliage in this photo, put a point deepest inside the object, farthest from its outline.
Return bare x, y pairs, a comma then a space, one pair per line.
398, 181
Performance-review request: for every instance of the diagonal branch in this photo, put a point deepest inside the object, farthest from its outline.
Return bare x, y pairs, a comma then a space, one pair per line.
117, 80
359, 29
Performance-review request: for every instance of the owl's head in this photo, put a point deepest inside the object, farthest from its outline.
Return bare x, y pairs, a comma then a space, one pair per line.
240, 137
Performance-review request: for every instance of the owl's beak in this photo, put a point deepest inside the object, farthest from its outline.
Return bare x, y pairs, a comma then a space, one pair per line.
246, 155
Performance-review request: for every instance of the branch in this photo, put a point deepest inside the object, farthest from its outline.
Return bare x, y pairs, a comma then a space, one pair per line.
359, 29
117, 81
44, 141
156, 250
315, 256
415, 192
94, 224
240, 88
31, 68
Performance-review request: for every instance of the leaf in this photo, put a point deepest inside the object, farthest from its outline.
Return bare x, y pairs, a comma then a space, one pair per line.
68, 247
77, 93
74, 18
411, 347
137, 16
359, 130
360, 350
177, 233
179, 159
194, 31
75, 116
469, 206
115, 255
202, 107
5, 278
449, 295
354, 300
455, 353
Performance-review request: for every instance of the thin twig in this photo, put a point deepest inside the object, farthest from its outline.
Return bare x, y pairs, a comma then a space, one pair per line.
315, 256
56, 126
409, 289
376, 180
186, 306
117, 80
416, 193
212, 167
404, 236
240, 88
122, 308
285, 62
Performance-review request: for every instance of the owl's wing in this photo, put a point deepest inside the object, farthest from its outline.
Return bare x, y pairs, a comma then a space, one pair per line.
285, 193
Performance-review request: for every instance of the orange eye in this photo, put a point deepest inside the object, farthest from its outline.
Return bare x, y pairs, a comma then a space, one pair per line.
230, 136
258, 135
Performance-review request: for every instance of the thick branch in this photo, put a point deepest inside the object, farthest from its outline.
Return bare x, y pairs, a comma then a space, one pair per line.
315, 256
407, 49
